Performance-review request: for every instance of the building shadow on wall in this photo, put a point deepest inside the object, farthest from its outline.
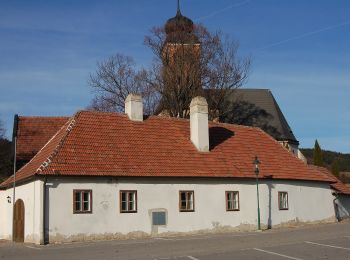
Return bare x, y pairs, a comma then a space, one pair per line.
269, 218
47, 214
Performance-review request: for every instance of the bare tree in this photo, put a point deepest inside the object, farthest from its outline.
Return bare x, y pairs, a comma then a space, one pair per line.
113, 81
5, 154
210, 66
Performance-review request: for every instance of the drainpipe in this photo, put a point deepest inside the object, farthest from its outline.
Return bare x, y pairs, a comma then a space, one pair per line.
44, 211
14, 143
14, 188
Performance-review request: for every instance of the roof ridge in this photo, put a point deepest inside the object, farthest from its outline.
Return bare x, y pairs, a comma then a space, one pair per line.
55, 151
233, 125
255, 88
44, 116
169, 118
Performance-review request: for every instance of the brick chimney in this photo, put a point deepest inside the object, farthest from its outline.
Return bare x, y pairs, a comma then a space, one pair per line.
134, 107
199, 124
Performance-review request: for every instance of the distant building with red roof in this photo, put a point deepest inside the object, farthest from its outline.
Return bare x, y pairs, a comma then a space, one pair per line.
32, 133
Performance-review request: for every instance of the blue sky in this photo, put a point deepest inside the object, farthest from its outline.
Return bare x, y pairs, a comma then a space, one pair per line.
300, 50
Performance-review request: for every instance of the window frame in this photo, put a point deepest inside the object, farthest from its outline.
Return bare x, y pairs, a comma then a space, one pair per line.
127, 202
226, 199
279, 200
82, 211
193, 205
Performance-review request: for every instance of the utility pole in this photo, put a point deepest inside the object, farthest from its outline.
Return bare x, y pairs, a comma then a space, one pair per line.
256, 163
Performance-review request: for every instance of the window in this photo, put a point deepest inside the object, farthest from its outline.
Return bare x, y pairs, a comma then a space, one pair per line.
283, 200
82, 201
186, 202
128, 201
232, 200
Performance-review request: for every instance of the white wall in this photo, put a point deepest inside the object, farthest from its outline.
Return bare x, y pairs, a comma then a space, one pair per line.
308, 201
31, 194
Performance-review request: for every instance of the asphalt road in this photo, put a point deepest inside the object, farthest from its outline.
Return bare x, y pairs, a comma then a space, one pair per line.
330, 241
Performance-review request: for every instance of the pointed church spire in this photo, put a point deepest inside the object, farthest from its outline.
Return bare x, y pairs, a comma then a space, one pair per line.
178, 8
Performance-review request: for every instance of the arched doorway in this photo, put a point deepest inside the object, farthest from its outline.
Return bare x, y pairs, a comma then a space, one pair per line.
18, 221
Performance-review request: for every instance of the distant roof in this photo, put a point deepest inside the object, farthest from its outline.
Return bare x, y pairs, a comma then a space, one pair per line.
338, 185
261, 105
34, 132
109, 144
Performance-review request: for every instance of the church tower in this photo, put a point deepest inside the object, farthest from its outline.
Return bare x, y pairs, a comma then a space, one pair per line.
180, 31
181, 59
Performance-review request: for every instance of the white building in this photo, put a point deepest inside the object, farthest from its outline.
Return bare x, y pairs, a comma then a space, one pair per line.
110, 175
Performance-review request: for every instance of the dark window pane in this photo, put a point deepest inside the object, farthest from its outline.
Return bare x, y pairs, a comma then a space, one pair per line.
131, 196
77, 196
183, 204
229, 195
124, 206
77, 206
123, 196
86, 206
86, 196
131, 205
229, 205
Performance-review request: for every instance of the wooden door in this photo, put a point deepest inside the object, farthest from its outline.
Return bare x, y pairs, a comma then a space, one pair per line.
18, 221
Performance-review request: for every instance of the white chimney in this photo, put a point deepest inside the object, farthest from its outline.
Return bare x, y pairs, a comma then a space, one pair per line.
134, 107
199, 124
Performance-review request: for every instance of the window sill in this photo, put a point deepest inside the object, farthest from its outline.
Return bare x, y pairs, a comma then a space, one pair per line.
82, 212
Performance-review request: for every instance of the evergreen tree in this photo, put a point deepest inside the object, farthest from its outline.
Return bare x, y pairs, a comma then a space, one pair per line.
318, 155
335, 167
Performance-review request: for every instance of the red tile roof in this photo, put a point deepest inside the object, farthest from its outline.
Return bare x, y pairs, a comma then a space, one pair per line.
109, 144
338, 184
34, 132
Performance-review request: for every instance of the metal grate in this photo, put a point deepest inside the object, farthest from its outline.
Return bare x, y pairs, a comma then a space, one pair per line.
158, 218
